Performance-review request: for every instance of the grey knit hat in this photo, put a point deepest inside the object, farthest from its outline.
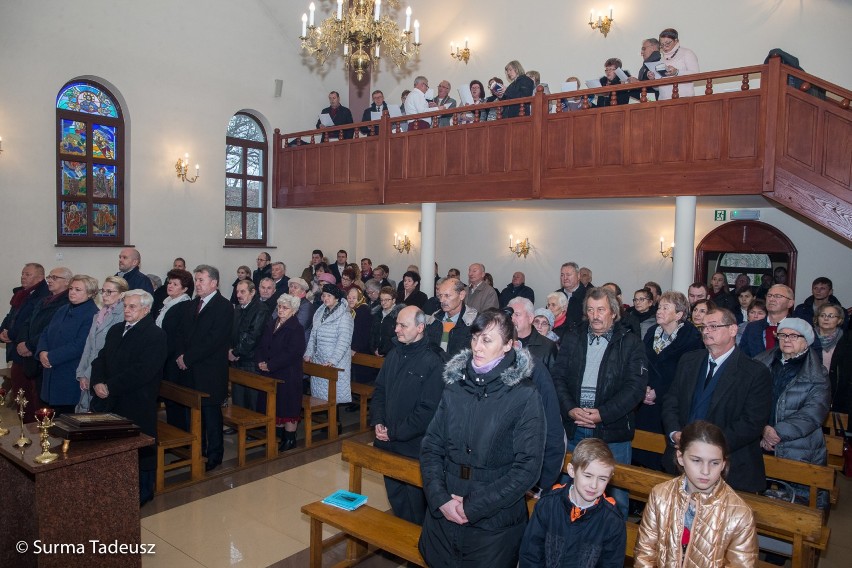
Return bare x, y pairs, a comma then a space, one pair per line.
799, 326
546, 313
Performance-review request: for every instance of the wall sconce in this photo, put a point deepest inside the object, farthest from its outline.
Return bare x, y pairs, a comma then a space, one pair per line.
458, 53
666, 253
403, 244
603, 23
520, 248
181, 168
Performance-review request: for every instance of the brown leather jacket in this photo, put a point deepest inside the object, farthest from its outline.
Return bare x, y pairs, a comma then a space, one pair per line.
723, 532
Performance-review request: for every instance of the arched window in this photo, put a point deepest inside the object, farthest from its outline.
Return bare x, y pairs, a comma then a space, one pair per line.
245, 181
89, 166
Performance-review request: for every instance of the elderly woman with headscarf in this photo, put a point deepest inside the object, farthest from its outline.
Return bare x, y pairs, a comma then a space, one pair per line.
800, 398
543, 322
330, 343
110, 314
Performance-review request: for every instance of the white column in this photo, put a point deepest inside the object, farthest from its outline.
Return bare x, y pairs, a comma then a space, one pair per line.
684, 250
427, 248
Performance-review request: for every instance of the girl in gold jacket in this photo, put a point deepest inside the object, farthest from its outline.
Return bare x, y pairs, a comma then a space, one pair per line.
696, 520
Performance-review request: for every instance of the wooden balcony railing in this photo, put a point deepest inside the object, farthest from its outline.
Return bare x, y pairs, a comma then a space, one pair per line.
746, 131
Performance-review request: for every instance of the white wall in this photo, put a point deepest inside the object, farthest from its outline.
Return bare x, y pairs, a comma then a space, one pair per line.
182, 69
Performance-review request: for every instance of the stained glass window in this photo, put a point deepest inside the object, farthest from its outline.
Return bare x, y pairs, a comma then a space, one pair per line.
245, 181
90, 166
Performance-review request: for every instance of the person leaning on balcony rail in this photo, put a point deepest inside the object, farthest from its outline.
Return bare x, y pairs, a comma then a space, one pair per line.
679, 61
650, 52
416, 103
610, 78
339, 115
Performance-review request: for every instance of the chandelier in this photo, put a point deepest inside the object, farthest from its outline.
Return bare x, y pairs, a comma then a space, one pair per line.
363, 34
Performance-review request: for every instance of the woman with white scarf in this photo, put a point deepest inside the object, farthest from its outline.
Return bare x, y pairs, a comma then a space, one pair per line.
110, 314
179, 287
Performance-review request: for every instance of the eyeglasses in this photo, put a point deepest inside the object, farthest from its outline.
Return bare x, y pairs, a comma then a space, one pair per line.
666, 44
777, 297
108, 292
828, 316
54, 277
640, 300
790, 336
715, 326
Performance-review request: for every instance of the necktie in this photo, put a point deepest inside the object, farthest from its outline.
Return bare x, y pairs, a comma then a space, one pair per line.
769, 336
710, 369
200, 305
127, 327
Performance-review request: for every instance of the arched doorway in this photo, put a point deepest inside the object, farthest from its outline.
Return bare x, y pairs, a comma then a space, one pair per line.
749, 247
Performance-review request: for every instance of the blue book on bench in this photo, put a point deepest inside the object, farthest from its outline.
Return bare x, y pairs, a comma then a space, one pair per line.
346, 500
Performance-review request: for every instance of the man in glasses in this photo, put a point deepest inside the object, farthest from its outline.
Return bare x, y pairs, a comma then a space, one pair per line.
759, 336
723, 386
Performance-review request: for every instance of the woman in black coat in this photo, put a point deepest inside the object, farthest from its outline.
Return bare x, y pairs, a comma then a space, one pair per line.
665, 343
410, 294
361, 337
520, 87
279, 355
482, 451
610, 78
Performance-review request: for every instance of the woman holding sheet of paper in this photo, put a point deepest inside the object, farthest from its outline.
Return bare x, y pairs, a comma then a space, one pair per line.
678, 61
614, 75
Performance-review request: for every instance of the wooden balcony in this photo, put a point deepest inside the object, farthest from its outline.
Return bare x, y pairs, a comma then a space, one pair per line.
746, 131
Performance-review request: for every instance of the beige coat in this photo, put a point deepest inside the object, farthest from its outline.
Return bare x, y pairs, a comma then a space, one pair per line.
723, 532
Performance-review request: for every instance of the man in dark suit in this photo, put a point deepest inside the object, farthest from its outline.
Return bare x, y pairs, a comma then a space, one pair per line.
203, 352
759, 336
282, 281
339, 115
379, 105
263, 270
569, 277
723, 386
129, 260
338, 267
126, 377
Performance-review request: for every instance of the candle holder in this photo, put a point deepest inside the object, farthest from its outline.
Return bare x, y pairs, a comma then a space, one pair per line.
44, 418
22, 402
3, 431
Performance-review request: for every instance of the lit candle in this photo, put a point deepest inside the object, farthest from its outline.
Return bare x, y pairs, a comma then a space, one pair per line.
395, 239
312, 7
345, 49
304, 25
610, 12
465, 43
591, 15
452, 48
416, 31
408, 19
510, 241
661, 244
378, 10
377, 50
339, 9
197, 169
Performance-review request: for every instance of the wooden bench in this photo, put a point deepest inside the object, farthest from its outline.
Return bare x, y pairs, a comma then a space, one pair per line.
365, 392
312, 405
248, 422
179, 442
367, 526
816, 477
834, 439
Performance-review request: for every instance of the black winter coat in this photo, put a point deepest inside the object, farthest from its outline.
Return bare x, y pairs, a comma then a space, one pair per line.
541, 348
486, 445
622, 378
382, 332
31, 330
521, 87
15, 319
248, 326
204, 341
408, 390
553, 540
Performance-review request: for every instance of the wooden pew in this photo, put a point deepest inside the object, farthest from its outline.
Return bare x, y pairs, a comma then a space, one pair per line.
174, 440
834, 439
248, 422
367, 526
365, 392
312, 405
816, 477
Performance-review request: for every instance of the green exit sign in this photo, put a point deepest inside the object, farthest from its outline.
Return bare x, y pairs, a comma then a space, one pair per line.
720, 215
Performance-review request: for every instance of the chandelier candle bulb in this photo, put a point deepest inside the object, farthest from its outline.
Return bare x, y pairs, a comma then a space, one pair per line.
408, 19
378, 10
304, 25
591, 16
312, 9
377, 50
465, 43
339, 9
416, 32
